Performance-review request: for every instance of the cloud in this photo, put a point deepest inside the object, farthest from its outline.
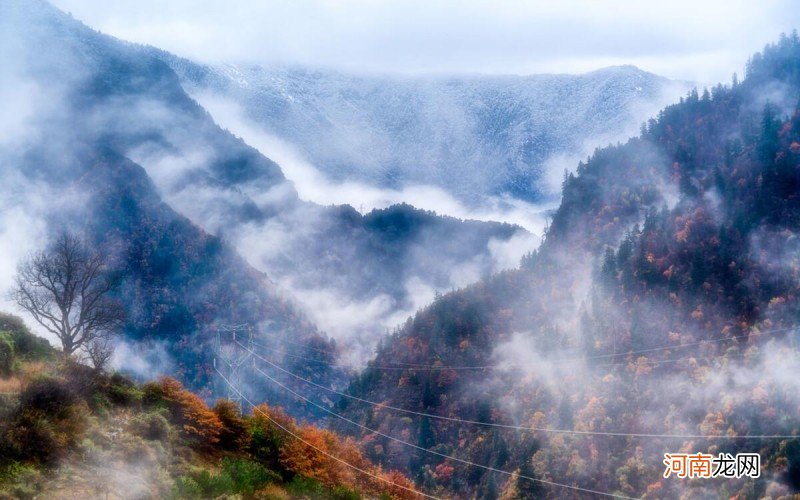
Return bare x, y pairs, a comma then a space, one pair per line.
699, 41
144, 360
19, 101
21, 230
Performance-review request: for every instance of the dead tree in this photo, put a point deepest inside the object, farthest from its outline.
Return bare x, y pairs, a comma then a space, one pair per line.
66, 289
99, 352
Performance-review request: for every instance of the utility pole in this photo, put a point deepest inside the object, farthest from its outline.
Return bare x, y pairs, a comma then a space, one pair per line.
232, 349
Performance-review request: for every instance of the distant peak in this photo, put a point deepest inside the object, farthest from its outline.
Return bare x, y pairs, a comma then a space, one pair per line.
621, 68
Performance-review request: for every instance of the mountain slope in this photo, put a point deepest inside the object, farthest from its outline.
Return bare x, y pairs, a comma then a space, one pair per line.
663, 301
179, 281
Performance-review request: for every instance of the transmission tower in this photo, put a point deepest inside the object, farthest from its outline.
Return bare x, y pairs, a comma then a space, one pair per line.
232, 349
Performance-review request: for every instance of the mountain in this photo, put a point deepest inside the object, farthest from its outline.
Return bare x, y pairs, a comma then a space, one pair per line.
104, 140
659, 315
475, 137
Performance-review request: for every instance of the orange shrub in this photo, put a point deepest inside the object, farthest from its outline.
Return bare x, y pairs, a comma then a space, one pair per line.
310, 461
197, 421
312, 455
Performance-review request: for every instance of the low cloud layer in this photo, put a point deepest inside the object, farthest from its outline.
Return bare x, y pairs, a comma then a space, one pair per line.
312, 185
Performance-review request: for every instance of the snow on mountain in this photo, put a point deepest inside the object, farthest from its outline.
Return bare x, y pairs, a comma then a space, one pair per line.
475, 137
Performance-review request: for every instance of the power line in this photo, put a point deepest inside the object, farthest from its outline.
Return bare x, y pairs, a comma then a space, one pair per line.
518, 427
443, 455
444, 367
413, 366
329, 455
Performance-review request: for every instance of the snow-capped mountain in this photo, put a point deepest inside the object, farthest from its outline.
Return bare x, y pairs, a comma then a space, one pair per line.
473, 136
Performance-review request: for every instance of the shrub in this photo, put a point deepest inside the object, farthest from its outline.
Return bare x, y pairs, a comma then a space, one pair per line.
124, 394
88, 448
311, 459
152, 426
273, 492
344, 493
135, 449
49, 420
267, 440
197, 421
247, 476
302, 485
153, 395
100, 404
202, 484
6, 353
33, 437
27, 344
50, 396
16, 471
186, 487
234, 435
236, 477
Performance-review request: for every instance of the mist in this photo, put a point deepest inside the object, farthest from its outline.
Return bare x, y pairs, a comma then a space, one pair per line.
354, 311
313, 185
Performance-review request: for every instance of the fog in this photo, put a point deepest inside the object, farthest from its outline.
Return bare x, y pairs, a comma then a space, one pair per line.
284, 245
24, 202
54, 180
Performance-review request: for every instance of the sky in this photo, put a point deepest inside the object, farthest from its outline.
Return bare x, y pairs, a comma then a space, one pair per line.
699, 41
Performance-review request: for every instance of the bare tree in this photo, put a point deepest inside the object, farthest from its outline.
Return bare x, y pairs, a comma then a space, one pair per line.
66, 290
99, 352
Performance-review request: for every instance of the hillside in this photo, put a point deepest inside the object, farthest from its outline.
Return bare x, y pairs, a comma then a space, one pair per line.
663, 302
179, 280
69, 431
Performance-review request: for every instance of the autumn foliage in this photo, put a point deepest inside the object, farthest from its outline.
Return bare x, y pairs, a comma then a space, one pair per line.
276, 441
323, 455
197, 421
